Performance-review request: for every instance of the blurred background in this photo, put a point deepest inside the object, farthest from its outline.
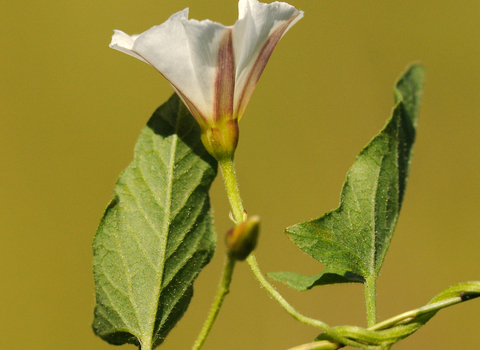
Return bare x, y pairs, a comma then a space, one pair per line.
71, 110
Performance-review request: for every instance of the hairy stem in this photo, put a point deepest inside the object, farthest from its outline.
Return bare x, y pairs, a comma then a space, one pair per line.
371, 300
231, 186
318, 345
222, 291
252, 261
411, 315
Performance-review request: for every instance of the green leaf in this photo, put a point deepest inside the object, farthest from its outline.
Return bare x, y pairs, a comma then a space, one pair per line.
466, 291
355, 236
328, 276
156, 234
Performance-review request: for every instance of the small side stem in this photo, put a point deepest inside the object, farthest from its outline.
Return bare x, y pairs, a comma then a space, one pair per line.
252, 261
371, 300
222, 291
231, 186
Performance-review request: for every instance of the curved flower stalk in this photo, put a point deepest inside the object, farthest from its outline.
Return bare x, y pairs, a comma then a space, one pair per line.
212, 67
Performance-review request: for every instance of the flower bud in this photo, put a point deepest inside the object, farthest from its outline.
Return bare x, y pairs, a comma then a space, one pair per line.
241, 240
221, 140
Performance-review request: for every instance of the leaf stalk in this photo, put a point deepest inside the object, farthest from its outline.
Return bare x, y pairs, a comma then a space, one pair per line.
371, 300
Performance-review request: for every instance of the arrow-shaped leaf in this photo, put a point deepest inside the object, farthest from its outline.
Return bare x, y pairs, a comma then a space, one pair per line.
355, 236
156, 234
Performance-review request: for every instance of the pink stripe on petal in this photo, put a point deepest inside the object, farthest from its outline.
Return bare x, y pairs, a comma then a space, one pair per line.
225, 79
259, 65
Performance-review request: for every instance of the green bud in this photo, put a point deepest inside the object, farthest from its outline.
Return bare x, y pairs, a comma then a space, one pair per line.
241, 240
221, 140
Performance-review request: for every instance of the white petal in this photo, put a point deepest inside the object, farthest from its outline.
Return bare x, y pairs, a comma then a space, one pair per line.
205, 39
165, 47
255, 34
213, 68
124, 42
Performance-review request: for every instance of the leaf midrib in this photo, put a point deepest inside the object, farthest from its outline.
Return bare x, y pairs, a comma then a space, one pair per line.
129, 282
379, 256
371, 268
163, 240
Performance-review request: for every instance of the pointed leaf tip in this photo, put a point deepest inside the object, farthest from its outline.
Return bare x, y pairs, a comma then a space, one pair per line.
409, 88
355, 236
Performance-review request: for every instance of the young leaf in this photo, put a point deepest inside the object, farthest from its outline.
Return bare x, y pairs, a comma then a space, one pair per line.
328, 276
156, 234
355, 236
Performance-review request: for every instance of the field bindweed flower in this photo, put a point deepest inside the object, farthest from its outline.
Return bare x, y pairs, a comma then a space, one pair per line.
212, 67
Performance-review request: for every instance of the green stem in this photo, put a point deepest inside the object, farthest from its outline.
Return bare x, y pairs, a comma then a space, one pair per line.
410, 315
228, 170
371, 300
252, 261
222, 291
402, 319
231, 185
230, 180
318, 345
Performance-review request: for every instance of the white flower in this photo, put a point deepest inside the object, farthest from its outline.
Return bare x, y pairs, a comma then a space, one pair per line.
212, 67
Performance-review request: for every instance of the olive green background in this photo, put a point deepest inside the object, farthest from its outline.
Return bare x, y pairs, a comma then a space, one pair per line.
71, 110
